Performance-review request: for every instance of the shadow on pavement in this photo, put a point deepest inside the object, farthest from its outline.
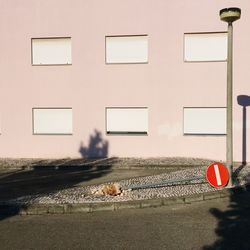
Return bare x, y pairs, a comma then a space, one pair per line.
233, 229
49, 176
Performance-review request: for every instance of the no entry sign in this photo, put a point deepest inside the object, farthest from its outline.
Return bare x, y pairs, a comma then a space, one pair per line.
217, 175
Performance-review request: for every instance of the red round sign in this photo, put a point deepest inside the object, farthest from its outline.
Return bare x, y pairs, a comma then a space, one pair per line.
217, 175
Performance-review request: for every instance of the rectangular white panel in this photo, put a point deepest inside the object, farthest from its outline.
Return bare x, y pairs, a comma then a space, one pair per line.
127, 120
205, 47
51, 51
127, 49
207, 121
52, 121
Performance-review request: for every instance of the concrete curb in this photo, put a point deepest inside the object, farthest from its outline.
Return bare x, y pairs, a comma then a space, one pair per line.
38, 209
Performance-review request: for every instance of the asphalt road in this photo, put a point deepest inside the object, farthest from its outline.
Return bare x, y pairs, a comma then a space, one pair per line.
217, 224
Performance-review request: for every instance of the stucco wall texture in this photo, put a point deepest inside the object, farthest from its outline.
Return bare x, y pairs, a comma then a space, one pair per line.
165, 84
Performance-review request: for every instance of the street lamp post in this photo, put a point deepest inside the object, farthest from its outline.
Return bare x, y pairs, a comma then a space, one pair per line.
230, 15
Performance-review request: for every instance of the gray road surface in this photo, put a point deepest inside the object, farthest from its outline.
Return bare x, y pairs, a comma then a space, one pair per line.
217, 224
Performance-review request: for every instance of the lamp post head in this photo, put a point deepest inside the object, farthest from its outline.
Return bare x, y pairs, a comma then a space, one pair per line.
230, 15
243, 100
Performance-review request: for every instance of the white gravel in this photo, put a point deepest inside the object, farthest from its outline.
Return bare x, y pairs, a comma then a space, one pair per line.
87, 194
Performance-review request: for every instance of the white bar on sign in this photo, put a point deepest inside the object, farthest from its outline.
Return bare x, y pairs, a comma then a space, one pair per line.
217, 175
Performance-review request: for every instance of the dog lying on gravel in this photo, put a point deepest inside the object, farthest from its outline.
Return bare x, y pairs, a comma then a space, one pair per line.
112, 189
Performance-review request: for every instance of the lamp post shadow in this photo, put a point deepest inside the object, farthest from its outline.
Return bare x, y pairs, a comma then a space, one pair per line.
244, 101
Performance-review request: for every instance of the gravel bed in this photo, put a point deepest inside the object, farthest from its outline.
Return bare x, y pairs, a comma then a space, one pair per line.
88, 194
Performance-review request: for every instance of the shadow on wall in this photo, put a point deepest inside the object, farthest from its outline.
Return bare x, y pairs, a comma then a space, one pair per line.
41, 178
233, 228
244, 101
97, 148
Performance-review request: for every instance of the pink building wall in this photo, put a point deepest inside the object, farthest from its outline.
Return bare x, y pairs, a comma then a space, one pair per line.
165, 85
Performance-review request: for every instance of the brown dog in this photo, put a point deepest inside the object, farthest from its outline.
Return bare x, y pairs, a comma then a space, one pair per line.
111, 189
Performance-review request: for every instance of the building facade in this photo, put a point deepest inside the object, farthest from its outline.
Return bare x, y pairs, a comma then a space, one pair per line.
134, 78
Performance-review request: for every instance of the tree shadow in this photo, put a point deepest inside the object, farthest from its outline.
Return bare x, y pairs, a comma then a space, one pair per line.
97, 148
236, 175
233, 229
45, 177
